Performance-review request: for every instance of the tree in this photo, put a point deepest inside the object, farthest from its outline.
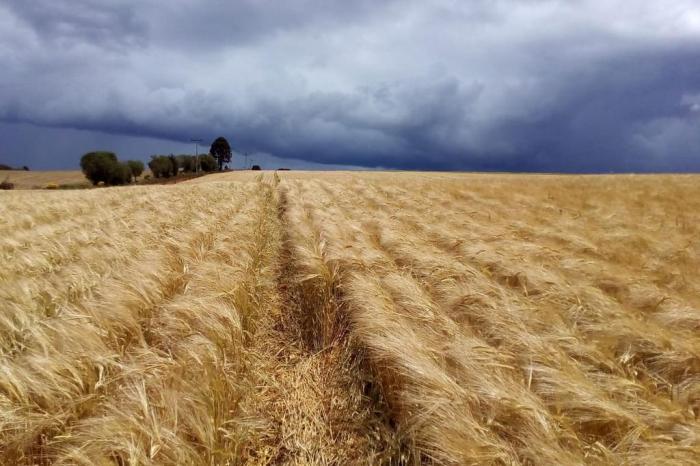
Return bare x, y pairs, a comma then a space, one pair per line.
136, 167
103, 166
174, 166
119, 174
98, 166
221, 151
207, 163
160, 166
187, 162
255, 167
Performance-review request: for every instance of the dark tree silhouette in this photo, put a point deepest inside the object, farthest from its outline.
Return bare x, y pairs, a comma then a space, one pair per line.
221, 151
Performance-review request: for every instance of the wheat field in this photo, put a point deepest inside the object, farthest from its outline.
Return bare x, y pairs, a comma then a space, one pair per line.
353, 318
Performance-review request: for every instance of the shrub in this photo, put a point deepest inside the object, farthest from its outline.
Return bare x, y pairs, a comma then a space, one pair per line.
51, 186
97, 166
207, 163
255, 167
160, 166
187, 163
136, 167
104, 167
120, 174
6, 184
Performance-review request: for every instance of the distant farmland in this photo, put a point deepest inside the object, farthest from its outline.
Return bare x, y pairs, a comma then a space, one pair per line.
40, 179
352, 318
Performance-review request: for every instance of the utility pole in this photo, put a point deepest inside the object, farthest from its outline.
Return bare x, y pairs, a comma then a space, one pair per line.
196, 154
246, 160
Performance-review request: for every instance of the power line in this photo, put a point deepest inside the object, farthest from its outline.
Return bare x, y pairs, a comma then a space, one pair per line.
242, 152
196, 154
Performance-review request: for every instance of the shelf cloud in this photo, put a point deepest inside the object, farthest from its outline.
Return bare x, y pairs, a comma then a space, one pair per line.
592, 85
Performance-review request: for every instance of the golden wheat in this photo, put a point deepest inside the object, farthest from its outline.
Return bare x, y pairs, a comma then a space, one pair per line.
491, 351
353, 318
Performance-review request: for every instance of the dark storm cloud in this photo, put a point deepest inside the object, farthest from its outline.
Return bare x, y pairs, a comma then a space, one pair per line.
200, 27
493, 85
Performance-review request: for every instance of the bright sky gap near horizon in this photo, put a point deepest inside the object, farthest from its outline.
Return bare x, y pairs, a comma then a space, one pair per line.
585, 86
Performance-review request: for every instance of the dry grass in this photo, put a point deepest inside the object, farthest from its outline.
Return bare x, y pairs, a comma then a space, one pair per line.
353, 318
40, 179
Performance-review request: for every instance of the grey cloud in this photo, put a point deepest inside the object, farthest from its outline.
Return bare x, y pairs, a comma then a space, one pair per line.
192, 25
535, 85
82, 21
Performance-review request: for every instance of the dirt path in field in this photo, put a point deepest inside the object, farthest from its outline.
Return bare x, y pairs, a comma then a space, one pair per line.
310, 406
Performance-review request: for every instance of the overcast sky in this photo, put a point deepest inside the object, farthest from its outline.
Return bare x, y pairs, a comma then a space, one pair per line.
537, 85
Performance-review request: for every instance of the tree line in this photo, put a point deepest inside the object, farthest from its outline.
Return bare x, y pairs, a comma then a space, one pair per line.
105, 167
7, 167
165, 166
